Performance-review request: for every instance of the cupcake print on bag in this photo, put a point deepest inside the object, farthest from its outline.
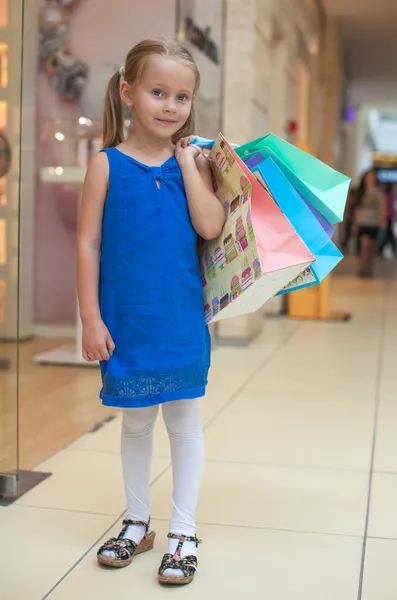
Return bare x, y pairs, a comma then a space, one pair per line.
230, 248
224, 298
219, 259
215, 306
230, 160
235, 288
251, 233
241, 235
235, 205
207, 313
256, 265
246, 277
222, 165
245, 188
210, 269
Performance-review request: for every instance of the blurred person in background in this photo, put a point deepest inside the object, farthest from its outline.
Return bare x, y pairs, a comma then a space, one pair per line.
388, 238
370, 220
349, 220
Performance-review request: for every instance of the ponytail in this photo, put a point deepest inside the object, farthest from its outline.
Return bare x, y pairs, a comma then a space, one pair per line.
113, 126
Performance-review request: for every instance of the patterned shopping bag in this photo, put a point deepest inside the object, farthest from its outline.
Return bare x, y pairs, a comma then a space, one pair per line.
258, 252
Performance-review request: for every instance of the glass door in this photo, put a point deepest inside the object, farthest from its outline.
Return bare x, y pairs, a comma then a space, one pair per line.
11, 56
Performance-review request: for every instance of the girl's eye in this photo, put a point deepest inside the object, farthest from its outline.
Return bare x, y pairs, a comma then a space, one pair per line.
182, 97
158, 93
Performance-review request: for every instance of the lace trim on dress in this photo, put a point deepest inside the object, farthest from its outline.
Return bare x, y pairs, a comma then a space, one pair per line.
147, 384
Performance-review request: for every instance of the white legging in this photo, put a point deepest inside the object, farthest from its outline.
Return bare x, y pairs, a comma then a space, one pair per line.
183, 422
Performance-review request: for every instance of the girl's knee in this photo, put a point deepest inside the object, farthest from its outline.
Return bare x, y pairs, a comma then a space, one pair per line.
182, 417
139, 421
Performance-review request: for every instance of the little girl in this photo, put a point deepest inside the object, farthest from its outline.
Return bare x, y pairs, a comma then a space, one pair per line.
146, 199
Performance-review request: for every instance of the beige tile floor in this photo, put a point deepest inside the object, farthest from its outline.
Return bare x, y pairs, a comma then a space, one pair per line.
300, 487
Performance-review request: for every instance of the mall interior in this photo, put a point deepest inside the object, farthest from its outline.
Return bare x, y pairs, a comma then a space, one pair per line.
299, 491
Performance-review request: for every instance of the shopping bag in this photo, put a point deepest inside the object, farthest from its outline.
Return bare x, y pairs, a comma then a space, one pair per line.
305, 223
255, 159
258, 252
323, 187
328, 228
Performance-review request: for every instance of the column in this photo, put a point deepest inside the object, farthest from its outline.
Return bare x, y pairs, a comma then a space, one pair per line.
332, 65
238, 94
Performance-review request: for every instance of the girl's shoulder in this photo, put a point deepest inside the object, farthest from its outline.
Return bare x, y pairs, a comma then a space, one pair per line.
99, 165
112, 157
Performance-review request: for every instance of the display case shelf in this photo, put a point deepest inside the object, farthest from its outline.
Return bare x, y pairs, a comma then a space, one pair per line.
62, 175
72, 354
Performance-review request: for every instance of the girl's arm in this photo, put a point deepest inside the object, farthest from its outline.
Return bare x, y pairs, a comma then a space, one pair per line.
206, 211
97, 342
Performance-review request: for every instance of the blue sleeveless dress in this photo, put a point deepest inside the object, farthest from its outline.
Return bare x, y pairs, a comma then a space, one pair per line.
150, 291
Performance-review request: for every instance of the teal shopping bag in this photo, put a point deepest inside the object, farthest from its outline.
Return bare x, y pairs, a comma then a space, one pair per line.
323, 187
305, 223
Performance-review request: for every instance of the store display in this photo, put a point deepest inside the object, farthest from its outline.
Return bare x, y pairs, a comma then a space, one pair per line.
5, 154
51, 41
69, 74
70, 143
93, 93
52, 16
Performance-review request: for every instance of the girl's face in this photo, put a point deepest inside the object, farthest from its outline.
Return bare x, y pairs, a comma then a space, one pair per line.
162, 101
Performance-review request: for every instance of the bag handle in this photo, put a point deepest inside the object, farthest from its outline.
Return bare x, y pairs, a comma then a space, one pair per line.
201, 142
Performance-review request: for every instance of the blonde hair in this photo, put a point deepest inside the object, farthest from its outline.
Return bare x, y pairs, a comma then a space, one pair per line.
137, 58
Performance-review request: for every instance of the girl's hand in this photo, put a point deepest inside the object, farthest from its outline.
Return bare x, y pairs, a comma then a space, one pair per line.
97, 341
185, 151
